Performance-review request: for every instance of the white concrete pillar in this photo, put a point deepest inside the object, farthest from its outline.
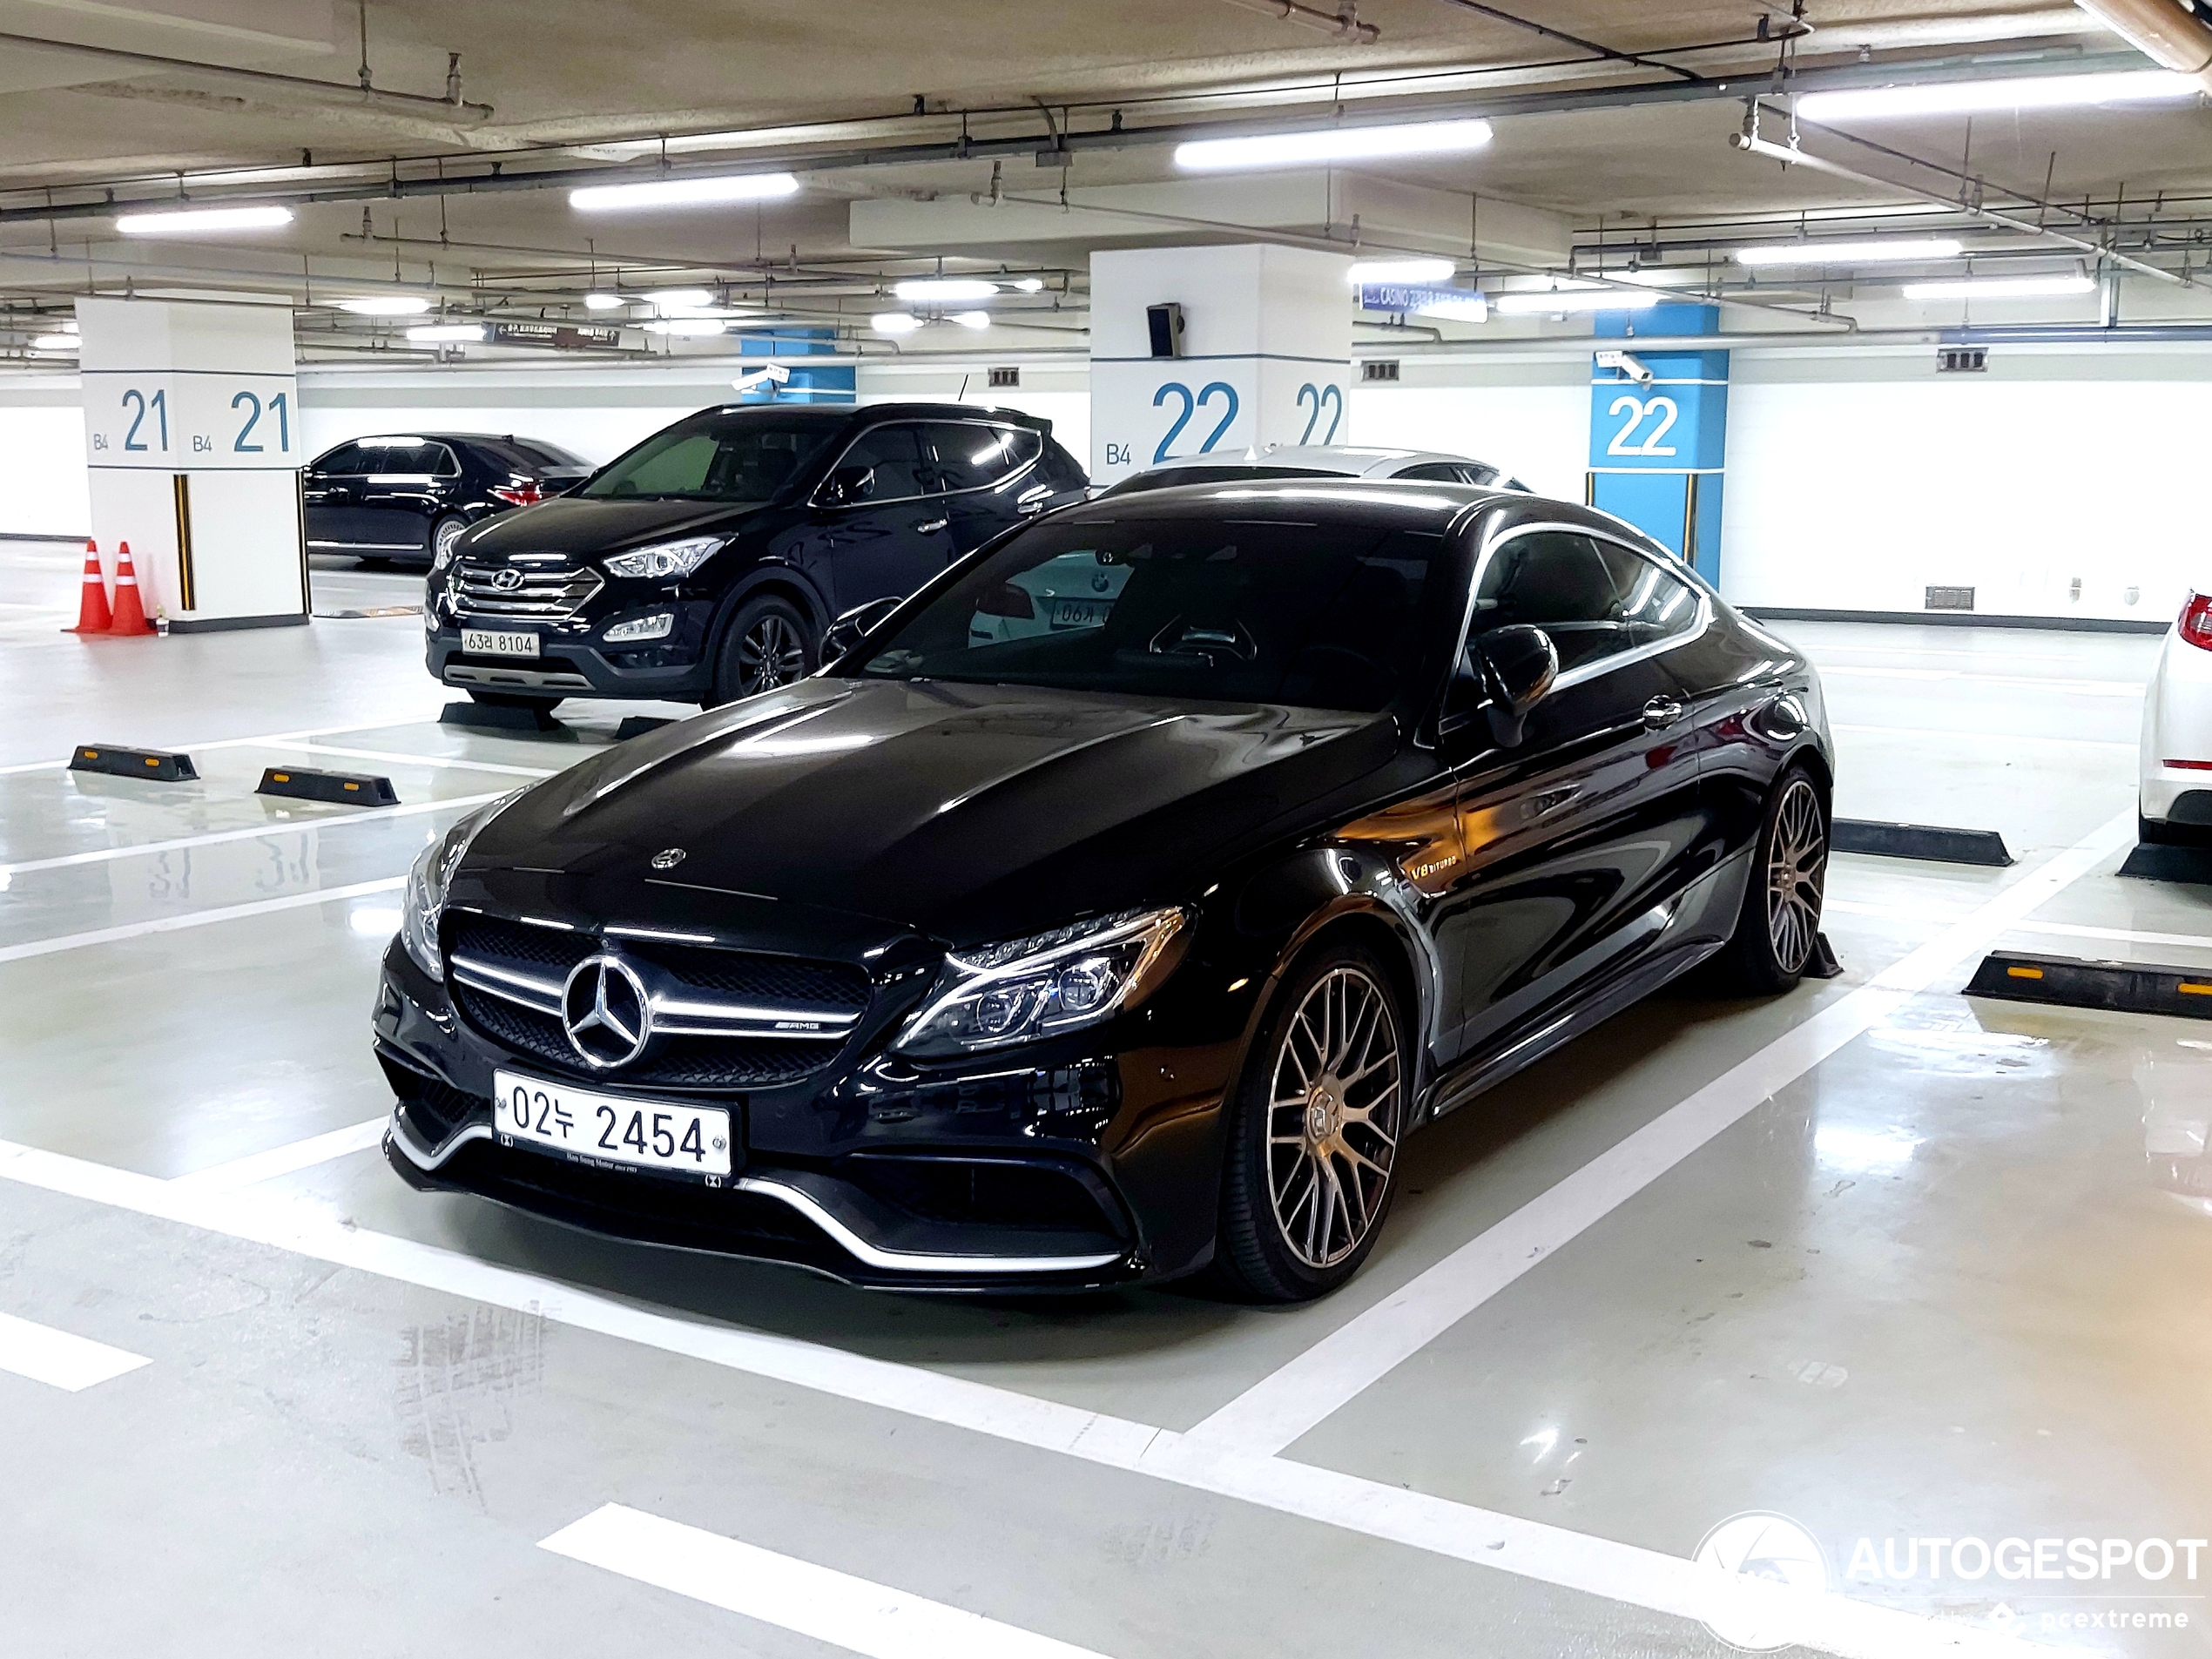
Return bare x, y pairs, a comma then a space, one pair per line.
1265, 360
192, 440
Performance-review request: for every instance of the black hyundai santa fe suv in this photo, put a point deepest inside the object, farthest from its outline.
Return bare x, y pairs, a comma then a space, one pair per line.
1131, 940
706, 563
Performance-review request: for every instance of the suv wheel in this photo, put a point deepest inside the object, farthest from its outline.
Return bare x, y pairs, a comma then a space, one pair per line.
1312, 1156
768, 644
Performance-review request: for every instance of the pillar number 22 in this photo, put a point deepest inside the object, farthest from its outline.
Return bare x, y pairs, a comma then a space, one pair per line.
1660, 410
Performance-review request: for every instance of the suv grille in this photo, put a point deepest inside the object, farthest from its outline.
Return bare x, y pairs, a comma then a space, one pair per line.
547, 592
722, 1019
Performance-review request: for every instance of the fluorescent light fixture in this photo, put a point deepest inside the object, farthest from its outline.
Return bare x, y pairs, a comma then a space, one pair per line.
70, 326
1027, 284
678, 299
1455, 308
604, 302
1364, 272
894, 322
934, 288
685, 328
433, 332
2026, 288
1560, 300
192, 221
971, 319
1866, 253
1333, 144
684, 192
386, 304
56, 342
1973, 97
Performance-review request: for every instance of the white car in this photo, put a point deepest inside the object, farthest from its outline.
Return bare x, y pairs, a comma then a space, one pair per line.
1318, 460
2175, 765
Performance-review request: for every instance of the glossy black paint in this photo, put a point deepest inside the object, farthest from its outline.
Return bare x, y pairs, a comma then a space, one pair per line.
357, 503
821, 556
1519, 891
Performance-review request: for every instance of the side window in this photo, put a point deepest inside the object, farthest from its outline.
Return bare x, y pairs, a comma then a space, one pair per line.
403, 460
893, 454
448, 464
1560, 583
1433, 472
1654, 603
345, 459
963, 456
1474, 472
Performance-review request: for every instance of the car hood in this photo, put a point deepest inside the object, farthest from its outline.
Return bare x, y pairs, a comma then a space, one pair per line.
571, 524
966, 812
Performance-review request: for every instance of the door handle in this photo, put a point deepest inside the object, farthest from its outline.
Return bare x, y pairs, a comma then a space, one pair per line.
1550, 801
1661, 712
930, 525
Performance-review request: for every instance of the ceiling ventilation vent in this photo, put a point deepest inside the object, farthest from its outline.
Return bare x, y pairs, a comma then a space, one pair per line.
1004, 379
1950, 599
1379, 369
1962, 360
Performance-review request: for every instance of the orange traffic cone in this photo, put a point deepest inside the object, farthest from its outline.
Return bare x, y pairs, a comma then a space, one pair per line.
92, 611
129, 612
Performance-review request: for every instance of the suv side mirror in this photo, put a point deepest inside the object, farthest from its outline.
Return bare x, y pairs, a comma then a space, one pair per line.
848, 485
851, 628
1511, 669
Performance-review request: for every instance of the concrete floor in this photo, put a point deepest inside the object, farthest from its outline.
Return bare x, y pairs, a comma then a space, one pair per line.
1887, 1262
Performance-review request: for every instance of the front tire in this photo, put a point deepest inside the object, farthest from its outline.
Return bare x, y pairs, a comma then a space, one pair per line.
768, 644
1315, 1125
1777, 930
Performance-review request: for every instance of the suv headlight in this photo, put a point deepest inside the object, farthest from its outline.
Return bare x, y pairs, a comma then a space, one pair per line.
667, 559
1041, 986
426, 886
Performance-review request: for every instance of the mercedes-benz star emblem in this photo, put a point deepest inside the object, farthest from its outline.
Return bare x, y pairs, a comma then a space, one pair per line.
508, 580
604, 1011
668, 858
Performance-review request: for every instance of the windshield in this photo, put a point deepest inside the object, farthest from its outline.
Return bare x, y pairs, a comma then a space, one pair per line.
714, 457
1319, 616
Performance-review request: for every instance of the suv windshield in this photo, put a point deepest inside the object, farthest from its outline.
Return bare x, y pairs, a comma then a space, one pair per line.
1320, 615
714, 457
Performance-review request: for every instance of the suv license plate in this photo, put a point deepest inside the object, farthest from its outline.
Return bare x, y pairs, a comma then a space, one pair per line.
611, 1128
495, 642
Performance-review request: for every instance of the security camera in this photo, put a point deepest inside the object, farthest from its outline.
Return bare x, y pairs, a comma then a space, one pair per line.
1629, 363
767, 374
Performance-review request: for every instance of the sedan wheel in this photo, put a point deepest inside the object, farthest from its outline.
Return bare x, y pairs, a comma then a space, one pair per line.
1312, 1161
447, 532
1797, 868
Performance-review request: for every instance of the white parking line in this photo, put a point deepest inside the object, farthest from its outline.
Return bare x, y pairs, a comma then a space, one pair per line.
290, 1159
1486, 1538
2074, 687
1275, 1411
1992, 739
58, 1359
261, 741
400, 757
831, 1607
336, 819
2055, 929
196, 919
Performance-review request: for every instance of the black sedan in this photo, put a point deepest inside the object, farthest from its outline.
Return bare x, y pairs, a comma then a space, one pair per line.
706, 563
408, 497
1124, 945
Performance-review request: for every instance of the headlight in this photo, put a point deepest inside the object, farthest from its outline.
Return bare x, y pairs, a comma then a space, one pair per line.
426, 887
1043, 985
667, 559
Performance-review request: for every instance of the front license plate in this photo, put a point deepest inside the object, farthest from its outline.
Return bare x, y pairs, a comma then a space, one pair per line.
607, 1129
497, 642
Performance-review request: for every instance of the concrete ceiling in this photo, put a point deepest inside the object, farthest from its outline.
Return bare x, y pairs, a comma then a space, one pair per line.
560, 86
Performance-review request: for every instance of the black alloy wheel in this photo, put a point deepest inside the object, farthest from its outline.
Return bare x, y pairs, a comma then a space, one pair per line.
1777, 930
768, 644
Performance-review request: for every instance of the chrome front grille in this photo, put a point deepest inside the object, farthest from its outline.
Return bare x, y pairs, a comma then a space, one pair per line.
719, 1018
544, 592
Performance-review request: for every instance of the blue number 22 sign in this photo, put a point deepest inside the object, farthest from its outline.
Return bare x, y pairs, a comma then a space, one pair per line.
1177, 388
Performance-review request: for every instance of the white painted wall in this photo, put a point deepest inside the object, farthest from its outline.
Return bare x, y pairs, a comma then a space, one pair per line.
43, 489
1539, 433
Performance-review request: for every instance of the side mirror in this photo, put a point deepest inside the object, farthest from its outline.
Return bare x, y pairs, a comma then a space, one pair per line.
854, 625
848, 485
1515, 667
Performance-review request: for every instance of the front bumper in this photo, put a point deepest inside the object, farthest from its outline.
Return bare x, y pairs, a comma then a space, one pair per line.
1070, 1175
575, 661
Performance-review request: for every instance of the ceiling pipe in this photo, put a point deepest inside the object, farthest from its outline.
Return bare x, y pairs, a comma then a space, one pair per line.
2165, 31
1344, 22
449, 110
1789, 155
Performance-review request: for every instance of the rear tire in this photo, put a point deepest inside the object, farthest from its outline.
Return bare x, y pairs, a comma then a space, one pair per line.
1777, 930
1315, 1126
768, 644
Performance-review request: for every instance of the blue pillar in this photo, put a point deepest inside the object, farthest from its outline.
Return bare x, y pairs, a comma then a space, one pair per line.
1659, 452
832, 383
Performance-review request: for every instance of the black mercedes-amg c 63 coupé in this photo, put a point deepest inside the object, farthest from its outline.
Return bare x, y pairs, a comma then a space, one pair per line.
1114, 908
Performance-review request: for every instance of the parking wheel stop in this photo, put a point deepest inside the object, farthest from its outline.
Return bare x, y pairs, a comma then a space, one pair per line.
2117, 987
1928, 841
163, 765
345, 788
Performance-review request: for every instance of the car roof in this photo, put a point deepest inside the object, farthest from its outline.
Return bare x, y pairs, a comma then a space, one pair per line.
830, 413
1383, 503
1352, 460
